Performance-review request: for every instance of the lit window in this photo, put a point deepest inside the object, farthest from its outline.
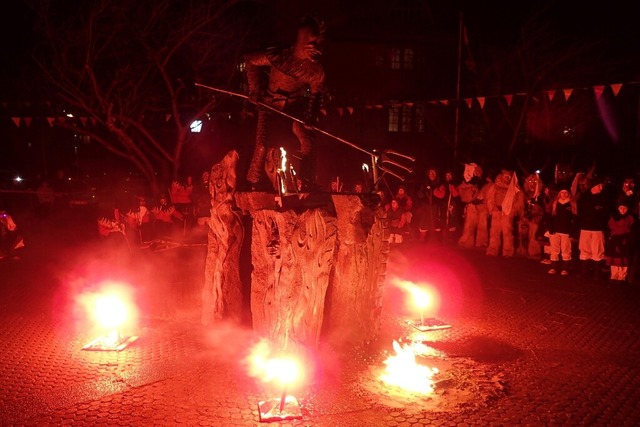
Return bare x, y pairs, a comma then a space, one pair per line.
420, 117
394, 118
406, 118
396, 59
407, 60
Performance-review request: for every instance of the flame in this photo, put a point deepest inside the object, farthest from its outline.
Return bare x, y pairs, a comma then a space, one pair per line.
424, 297
403, 371
111, 308
285, 370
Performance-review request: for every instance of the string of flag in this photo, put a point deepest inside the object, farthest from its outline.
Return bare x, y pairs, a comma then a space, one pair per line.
470, 102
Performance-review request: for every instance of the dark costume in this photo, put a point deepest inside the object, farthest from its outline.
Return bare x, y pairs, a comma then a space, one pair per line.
292, 75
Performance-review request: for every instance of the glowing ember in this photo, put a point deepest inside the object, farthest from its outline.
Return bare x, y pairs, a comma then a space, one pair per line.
402, 371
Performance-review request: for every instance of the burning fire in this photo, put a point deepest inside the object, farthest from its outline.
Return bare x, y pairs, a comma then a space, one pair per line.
404, 372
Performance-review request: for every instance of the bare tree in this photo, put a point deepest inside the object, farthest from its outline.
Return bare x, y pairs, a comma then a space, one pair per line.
125, 64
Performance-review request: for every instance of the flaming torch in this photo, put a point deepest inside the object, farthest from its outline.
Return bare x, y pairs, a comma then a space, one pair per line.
111, 310
285, 371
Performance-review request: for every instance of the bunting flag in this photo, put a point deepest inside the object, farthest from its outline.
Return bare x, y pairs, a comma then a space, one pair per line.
350, 110
27, 121
481, 101
51, 121
16, 120
598, 91
340, 111
468, 101
551, 94
567, 93
508, 98
616, 88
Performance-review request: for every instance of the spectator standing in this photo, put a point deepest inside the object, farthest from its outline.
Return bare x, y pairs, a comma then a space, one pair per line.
593, 214
620, 226
397, 222
560, 228
447, 193
428, 206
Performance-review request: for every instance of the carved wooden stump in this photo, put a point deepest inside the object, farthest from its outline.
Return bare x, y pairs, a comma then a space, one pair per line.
355, 297
222, 291
319, 263
292, 258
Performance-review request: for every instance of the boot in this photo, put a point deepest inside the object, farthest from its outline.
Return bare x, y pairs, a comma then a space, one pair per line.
564, 268
555, 266
585, 267
598, 270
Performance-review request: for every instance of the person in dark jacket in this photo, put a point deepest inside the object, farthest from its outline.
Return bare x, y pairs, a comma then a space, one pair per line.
593, 214
618, 247
561, 224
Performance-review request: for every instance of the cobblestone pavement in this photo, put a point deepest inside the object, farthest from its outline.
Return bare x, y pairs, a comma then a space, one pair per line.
525, 348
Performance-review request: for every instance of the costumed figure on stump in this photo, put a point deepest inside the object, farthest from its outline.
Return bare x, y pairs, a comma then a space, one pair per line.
505, 202
293, 81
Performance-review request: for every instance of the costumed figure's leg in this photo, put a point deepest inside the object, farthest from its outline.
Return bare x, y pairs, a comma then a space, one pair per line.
522, 225
254, 174
534, 246
482, 233
494, 233
307, 141
470, 224
507, 236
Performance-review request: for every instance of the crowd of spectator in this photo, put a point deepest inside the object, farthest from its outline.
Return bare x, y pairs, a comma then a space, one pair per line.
579, 223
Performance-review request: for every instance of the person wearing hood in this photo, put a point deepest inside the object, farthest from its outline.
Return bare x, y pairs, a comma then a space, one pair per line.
618, 246
561, 224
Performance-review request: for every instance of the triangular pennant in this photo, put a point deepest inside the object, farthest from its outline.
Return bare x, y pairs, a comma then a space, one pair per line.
350, 110
51, 120
340, 111
409, 104
27, 121
323, 111
598, 91
567, 93
445, 102
551, 94
481, 101
83, 120
167, 117
508, 98
16, 120
468, 101
93, 120
616, 88
378, 106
